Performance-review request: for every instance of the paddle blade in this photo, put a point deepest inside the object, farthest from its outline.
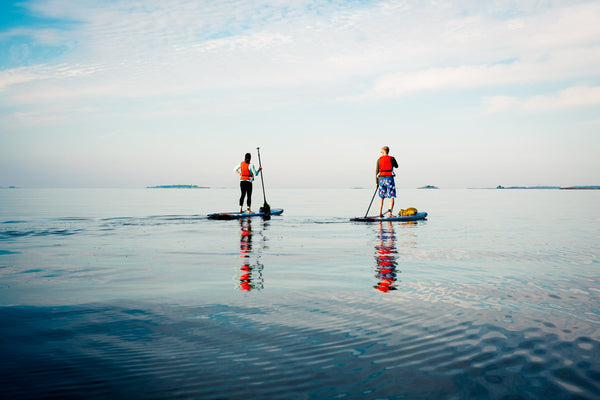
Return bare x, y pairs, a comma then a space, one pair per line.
266, 209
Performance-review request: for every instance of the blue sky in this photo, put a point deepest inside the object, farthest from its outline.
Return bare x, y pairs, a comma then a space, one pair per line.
128, 93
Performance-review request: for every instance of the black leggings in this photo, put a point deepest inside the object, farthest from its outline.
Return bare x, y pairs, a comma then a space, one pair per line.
246, 187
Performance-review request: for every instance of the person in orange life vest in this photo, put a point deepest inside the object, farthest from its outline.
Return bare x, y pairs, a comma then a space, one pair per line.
247, 173
385, 179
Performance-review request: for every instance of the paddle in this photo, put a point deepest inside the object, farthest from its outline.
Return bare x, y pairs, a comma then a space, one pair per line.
265, 208
372, 198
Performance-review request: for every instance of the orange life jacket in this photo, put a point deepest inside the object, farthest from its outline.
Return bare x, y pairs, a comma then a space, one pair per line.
245, 171
385, 166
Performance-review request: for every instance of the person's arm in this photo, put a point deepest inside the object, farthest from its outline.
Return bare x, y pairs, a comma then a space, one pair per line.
254, 170
237, 168
394, 162
377, 172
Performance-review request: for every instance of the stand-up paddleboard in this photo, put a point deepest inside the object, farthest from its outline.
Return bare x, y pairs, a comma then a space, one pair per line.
416, 217
238, 215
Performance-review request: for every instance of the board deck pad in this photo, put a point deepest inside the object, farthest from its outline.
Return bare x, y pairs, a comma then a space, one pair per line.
416, 217
238, 215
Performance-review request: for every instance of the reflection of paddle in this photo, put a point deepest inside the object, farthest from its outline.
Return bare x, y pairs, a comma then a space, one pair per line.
372, 198
265, 208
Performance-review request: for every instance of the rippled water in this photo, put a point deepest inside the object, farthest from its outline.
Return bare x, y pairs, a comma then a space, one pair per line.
135, 294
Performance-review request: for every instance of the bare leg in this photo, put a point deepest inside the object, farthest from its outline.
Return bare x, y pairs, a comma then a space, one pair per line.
391, 205
380, 205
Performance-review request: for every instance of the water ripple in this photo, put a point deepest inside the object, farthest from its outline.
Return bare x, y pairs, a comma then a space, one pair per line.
311, 347
45, 232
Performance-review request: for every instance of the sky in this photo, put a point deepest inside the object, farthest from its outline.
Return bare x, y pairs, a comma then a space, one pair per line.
136, 93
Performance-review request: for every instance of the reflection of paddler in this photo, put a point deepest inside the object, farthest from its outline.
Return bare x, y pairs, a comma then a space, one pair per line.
386, 259
246, 269
246, 235
245, 248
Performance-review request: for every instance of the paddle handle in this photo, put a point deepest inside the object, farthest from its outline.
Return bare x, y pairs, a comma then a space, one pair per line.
261, 175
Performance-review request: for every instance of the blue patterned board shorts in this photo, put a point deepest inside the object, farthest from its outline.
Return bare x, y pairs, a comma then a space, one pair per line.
387, 187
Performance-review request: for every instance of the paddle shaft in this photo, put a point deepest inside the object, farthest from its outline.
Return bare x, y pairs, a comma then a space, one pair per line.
372, 198
261, 177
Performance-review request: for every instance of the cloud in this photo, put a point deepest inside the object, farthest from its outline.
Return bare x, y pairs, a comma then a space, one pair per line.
565, 65
43, 36
574, 97
43, 72
260, 40
332, 50
19, 75
482, 50
499, 104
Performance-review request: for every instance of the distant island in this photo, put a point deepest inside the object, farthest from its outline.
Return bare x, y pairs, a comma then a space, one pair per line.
528, 187
551, 187
178, 187
581, 188
429, 187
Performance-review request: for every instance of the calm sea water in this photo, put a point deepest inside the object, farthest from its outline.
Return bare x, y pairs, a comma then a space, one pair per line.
135, 294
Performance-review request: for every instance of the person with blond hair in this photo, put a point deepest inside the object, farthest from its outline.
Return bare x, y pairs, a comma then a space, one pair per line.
385, 179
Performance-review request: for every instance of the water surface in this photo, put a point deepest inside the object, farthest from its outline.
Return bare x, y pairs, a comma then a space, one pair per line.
135, 293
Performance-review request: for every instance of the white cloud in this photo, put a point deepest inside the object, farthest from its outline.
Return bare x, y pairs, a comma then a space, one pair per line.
483, 51
18, 75
399, 47
38, 73
566, 65
499, 104
302, 51
574, 97
260, 40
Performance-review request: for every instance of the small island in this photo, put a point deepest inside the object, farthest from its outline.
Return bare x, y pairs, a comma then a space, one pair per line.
429, 187
527, 187
581, 188
177, 187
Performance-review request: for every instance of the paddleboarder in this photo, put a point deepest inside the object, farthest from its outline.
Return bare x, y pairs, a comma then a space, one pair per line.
247, 172
385, 179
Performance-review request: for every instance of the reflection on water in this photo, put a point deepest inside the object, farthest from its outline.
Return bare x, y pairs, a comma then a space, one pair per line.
386, 253
250, 273
386, 257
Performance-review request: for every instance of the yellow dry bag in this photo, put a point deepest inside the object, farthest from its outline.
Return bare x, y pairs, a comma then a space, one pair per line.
408, 211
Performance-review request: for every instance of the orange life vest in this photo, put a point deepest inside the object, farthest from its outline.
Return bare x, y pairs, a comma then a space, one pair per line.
245, 171
385, 166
